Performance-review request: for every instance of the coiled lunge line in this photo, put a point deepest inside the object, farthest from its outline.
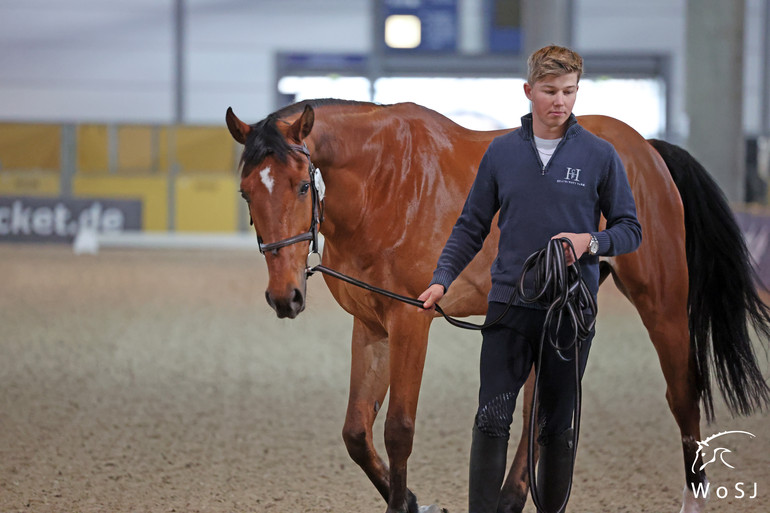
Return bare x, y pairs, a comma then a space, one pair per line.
561, 289
558, 288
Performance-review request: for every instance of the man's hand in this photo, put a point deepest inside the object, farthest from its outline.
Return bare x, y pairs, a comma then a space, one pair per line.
579, 240
430, 297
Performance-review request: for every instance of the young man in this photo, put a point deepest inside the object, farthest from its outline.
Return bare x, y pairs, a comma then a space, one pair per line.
549, 179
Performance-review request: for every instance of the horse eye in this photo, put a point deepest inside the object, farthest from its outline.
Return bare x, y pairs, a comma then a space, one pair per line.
244, 195
304, 188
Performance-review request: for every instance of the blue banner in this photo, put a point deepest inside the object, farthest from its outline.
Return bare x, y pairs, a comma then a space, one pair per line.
38, 219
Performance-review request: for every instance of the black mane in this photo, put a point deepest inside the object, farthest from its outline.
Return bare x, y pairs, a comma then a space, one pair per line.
265, 138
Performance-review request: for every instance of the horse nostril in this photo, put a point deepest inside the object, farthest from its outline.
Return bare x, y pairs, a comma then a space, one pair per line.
287, 306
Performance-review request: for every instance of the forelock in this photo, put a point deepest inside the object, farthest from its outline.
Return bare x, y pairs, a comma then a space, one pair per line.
264, 139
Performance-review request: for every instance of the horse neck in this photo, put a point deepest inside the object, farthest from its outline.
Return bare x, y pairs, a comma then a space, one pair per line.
336, 141
361, 152
337, 149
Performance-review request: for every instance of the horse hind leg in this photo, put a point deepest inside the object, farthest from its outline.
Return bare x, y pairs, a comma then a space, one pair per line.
666, 319
673, 347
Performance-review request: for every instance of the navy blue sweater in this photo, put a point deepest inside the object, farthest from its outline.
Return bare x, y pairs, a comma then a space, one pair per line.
584, 179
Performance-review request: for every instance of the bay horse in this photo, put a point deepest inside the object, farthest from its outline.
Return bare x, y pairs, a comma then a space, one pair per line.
396, 179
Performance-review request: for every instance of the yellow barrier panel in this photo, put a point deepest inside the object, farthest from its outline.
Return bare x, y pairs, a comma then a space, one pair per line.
152, 190
206, 203
137, 149
164, 156
130, 161
203, 149
30, 146
30, 183
93, 149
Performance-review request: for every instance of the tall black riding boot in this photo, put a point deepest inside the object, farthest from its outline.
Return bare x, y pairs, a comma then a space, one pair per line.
487, 470
554, 473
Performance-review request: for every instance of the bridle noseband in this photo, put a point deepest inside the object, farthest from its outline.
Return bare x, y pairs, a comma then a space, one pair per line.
317, 216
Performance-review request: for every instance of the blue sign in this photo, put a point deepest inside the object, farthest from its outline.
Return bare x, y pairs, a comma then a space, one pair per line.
438, 23
503, 25
325, 61
38, 219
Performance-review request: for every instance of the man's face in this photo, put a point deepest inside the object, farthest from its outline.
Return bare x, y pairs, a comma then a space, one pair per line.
552, 100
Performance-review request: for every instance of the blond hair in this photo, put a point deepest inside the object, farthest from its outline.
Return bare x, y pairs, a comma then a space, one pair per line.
553, 61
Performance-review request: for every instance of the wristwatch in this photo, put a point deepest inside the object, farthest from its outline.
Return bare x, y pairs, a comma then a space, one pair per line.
593, 246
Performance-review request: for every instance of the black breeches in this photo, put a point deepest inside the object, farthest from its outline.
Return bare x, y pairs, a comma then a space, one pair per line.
508, 352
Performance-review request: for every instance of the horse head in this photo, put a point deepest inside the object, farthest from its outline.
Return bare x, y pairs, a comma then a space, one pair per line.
277, 183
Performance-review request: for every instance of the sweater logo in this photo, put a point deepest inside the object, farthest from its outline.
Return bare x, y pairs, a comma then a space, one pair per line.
572, 177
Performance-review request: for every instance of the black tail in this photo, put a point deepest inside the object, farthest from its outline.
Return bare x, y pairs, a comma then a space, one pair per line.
723, 299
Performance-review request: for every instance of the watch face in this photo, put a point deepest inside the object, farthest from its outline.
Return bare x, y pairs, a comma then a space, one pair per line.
593, 247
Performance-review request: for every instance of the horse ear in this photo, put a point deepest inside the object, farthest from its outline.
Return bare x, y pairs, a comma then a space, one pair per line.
304, 124
238, 129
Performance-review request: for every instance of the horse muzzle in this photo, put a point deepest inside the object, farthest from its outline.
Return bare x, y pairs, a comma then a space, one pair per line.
287, 305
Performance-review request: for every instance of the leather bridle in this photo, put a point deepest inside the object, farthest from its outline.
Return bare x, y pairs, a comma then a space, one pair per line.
316, 219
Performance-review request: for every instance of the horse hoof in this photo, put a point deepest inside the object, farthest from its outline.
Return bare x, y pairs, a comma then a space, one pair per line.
693, 504
432, 509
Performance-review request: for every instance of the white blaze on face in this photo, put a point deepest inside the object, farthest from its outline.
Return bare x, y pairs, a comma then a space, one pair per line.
267, 179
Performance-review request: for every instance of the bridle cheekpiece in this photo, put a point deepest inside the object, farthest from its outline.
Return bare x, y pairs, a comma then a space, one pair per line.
316, 183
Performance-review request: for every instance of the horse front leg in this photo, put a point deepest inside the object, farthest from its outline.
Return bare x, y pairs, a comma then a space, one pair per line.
369, 377
408, 342
513, 495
